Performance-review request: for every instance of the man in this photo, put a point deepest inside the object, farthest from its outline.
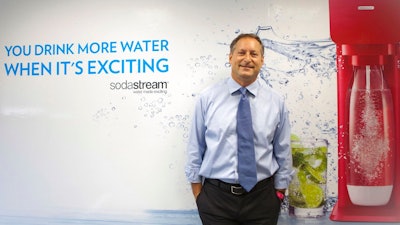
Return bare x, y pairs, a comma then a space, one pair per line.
214, 149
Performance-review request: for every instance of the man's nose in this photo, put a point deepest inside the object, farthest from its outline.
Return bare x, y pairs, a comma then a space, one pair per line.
247, 56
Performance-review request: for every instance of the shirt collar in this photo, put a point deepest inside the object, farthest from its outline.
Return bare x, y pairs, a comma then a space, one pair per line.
234, 86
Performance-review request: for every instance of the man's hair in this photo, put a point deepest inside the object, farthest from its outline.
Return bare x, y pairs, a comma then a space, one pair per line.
247, 35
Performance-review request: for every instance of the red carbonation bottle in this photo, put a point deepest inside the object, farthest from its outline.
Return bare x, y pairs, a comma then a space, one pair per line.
371, 138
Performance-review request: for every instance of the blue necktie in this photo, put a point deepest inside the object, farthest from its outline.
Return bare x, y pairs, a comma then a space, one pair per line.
246, 158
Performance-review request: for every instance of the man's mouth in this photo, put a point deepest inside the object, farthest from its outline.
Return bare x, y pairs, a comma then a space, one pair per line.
247, 66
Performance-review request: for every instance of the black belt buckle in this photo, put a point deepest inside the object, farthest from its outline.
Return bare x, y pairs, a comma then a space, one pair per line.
237, 190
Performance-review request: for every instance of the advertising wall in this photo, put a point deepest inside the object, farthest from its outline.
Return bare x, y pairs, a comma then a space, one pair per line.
96, 97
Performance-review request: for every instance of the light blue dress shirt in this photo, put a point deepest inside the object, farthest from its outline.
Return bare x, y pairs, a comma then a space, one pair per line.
212, 147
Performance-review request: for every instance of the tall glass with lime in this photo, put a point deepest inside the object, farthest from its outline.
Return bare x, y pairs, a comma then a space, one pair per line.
307, 191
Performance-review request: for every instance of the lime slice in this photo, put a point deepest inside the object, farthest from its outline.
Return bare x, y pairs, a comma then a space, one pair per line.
322, 155
323, 165
322, 150
313, 195
302, 177
318, 177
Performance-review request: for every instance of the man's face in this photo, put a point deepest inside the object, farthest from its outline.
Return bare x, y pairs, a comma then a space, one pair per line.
246, 60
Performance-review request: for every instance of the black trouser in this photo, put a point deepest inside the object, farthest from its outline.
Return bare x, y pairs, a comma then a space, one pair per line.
217, 205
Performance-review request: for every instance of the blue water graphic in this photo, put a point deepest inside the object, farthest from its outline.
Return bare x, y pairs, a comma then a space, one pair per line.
154, 217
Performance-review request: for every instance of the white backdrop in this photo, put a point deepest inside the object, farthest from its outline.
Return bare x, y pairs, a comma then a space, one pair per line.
69, 142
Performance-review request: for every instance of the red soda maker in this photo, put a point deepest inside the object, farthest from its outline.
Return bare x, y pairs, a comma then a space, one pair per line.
367, 38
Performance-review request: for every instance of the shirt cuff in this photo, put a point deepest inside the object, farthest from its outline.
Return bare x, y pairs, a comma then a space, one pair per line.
193, 176
282, 181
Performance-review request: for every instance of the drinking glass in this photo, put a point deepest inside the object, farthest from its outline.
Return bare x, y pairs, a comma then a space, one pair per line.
307, 190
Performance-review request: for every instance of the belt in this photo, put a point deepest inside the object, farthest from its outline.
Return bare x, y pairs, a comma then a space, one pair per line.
237, 189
